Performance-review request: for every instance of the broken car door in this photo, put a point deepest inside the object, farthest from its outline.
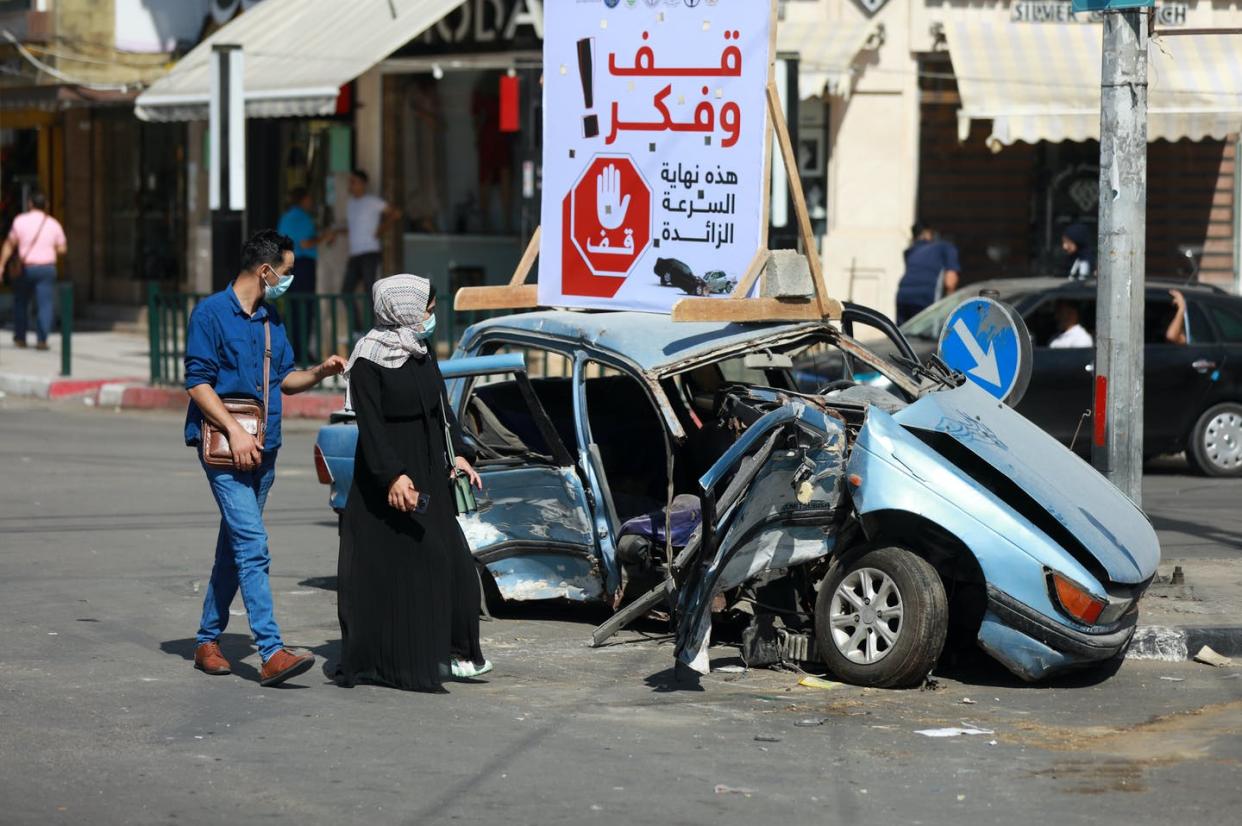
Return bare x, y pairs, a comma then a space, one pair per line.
533, 527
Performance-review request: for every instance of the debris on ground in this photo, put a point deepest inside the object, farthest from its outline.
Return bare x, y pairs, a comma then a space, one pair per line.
966, 701
1174, 679
811, 681
930, 684
723, 789
731, 669
766, 738
1209, 657
811, 722
952, 732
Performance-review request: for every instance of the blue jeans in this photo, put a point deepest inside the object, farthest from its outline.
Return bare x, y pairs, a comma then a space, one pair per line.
242, 559
39, 281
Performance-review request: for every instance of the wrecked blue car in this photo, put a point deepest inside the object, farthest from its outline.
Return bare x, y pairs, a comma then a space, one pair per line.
651, 465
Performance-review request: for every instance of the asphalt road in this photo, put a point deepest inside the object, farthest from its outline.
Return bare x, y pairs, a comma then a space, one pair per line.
106, 537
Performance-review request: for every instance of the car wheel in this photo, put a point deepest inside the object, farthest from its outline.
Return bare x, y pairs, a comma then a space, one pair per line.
1215, 447
881, 618
664, 282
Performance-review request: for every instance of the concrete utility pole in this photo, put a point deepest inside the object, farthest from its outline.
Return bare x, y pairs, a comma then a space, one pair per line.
227, 162
1117, 444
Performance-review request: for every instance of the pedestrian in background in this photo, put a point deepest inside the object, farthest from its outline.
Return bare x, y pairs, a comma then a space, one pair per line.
298, 223
1078, 244
224, 354
1070, 332
932, 271
407, 590
368, 217
33, 244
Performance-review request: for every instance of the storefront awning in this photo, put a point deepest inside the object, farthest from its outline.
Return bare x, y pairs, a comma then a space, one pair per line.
1041, 82
826, 50
298, 53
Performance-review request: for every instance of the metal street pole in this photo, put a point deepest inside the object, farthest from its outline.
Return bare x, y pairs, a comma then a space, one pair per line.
1117, 444
227, 162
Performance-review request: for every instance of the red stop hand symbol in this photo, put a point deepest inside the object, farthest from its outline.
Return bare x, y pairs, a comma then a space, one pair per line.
607, 222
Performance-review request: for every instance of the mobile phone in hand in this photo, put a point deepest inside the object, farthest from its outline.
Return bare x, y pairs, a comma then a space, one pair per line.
423, 501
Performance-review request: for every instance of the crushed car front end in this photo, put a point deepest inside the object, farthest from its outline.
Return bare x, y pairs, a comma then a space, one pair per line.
1062, 557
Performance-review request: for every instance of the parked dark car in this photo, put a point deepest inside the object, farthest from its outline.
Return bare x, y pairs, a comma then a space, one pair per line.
1193, 391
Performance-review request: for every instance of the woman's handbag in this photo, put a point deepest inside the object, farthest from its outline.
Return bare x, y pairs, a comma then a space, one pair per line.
463, 492
251, 415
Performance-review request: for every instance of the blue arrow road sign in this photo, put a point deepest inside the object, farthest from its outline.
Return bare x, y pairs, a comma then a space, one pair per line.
989, 342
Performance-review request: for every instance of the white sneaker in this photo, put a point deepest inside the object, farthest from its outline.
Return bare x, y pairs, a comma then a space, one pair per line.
466, 670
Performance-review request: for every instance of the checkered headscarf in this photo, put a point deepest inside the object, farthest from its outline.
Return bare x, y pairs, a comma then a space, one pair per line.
400, 307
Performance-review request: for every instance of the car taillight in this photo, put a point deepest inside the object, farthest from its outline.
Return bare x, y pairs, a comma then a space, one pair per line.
1076, 601
321, 467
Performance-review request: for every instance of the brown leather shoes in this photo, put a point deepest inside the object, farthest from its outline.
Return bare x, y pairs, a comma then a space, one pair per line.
209, 659
284, 664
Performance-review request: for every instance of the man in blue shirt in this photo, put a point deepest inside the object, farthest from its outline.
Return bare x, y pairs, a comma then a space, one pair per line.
298, 223
932, 271
224, 358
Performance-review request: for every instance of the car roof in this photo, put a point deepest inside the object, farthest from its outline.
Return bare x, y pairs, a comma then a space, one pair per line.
650, 340
1042, 284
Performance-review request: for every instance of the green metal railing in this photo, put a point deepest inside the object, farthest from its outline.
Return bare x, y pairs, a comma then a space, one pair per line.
318, 325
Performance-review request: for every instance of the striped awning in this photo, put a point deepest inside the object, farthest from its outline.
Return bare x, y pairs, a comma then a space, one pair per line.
1041, 82
297, 53
827, 51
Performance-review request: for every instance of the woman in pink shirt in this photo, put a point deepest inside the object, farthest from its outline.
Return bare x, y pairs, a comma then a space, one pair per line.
37, 239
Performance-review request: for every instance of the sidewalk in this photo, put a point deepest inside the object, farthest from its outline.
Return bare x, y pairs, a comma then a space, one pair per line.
112, 369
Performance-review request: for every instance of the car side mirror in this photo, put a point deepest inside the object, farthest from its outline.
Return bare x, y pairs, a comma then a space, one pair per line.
767, 361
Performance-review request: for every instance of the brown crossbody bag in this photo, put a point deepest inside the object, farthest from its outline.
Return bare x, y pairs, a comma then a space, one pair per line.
251, 415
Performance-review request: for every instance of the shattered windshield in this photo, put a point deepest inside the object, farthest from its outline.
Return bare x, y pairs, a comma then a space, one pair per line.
736, 370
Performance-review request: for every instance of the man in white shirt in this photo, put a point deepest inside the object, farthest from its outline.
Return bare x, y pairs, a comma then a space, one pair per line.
368, 217
1072, 333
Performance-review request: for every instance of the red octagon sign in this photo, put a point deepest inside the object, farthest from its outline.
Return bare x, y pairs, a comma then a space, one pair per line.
607, 227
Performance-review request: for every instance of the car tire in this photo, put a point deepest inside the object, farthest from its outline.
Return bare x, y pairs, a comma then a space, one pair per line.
1215, 447
914, 609
664, 282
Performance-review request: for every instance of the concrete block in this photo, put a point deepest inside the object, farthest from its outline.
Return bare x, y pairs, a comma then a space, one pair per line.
787, 275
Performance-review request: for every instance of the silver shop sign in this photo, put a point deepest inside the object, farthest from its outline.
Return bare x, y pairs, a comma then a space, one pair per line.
1060, 11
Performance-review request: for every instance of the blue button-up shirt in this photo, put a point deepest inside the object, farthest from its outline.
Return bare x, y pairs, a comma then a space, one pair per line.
224, 348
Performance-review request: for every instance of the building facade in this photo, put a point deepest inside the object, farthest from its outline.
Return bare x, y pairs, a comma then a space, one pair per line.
981, 117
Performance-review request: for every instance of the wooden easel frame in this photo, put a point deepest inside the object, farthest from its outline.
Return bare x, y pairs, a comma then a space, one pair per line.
738, 307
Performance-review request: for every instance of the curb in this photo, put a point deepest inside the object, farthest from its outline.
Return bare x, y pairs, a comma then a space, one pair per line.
43, 387
124, 396
1169, 644
134, 394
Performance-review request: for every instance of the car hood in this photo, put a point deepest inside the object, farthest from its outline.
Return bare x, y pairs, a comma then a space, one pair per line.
1103, 519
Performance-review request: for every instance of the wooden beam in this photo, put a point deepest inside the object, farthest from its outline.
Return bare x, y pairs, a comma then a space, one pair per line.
753, 309
766, 217
505, 297
742, 290
528, 259
799, 199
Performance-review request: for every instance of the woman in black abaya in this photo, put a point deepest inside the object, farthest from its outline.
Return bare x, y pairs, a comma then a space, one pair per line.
408, 595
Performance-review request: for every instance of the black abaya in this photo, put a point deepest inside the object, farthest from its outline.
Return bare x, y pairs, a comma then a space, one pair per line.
407, 592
